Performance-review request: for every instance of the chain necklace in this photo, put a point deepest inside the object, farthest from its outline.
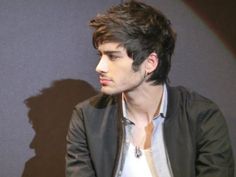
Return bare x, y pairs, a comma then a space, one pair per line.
137, 151
145, 140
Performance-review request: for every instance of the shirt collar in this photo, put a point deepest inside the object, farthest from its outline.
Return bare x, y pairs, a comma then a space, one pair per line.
163, 107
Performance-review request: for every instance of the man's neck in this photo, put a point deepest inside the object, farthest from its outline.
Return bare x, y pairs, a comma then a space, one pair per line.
144, 103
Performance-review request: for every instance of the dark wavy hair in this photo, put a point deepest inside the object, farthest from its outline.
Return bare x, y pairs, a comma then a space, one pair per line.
141, 30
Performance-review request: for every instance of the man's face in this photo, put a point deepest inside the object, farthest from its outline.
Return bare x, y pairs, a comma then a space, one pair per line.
115, 70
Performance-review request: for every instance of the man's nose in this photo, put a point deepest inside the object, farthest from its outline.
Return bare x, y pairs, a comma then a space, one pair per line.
102, 66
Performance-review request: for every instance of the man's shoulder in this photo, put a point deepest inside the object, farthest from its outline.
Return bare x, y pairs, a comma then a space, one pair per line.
187, 94
98, 101
191, 99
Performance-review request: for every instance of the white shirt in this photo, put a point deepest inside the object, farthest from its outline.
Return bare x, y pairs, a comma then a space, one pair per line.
138, 167
158, 150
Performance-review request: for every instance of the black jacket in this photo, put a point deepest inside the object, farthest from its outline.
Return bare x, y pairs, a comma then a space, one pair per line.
195, 135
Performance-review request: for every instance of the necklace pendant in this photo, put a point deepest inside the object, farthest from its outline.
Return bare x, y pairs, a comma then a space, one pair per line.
138, 152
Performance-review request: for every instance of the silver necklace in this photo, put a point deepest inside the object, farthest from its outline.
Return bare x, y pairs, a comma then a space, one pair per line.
137, 152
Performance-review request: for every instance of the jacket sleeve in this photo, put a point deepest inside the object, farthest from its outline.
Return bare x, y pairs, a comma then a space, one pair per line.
78, 161
214, 156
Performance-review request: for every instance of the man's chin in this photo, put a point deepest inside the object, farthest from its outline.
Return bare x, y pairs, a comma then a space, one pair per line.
108, 91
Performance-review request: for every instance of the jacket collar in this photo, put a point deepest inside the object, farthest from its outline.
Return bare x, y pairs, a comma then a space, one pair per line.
173, 99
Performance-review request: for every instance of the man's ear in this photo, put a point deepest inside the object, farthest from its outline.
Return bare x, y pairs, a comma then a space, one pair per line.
151, 62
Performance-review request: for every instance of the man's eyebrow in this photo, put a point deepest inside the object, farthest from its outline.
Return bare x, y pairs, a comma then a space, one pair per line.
107, 52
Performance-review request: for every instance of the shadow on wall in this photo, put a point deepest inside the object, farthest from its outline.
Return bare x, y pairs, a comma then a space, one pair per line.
218, 15
49, 114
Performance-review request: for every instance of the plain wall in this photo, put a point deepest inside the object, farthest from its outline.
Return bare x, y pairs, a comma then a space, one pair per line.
47, 66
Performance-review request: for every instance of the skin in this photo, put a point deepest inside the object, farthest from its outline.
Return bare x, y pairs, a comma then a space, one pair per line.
117, 76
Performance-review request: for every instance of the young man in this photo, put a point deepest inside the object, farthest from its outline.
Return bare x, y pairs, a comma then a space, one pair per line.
139, 126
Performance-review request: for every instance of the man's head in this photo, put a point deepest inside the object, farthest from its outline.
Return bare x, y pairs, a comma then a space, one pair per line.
141, 30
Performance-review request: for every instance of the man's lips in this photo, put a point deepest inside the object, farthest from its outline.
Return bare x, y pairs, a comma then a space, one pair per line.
104, 81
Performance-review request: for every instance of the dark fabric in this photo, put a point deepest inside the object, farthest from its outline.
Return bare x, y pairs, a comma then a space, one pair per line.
195, 135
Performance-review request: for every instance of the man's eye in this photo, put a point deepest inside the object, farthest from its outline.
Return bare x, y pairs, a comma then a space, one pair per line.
99, 54
113, 57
